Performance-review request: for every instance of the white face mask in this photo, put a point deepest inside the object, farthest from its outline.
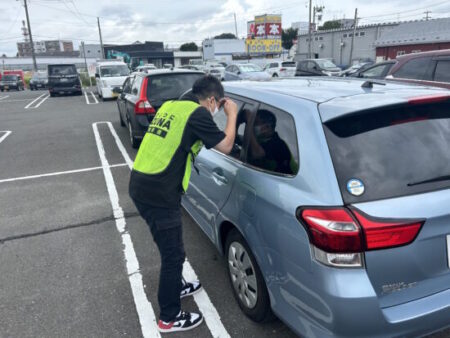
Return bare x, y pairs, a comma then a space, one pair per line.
216, 110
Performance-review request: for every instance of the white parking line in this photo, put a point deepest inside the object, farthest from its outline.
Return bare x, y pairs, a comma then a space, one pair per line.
85, 95
58, 173
144, 309
31, 103
42, 101
4, 97
202, 299
7, 132
96, 101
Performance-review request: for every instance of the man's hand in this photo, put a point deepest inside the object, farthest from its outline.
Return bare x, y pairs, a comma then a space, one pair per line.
230, 108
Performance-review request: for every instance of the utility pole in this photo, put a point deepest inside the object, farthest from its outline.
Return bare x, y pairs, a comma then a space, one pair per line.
353, 36
235, 25
427, 15
309, 30
100, 34
85, 63
31, 36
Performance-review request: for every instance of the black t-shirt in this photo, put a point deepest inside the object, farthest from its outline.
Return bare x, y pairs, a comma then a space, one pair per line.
165, 189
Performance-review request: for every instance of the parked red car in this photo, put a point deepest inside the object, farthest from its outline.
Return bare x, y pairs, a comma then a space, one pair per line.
427, 68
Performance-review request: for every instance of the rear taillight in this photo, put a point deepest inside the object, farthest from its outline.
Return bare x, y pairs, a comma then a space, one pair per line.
339, 236
282, 69
382, 234
142, 106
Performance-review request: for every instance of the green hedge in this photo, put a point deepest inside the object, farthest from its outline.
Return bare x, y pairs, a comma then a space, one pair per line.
85, 80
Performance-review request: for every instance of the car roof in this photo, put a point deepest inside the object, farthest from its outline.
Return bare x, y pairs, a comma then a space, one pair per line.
335, 96
151, 72
442, 52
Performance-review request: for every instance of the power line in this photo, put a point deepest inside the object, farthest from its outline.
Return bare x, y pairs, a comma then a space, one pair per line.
407, 11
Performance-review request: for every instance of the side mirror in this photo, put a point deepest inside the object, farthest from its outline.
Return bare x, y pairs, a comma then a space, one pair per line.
96, 75
117, 90
239, 72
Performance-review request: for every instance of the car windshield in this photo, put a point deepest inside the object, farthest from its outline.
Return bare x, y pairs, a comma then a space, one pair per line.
10, 78
390, 150
325, 64
62, 70
288, 64
249, 68
169, 86
39, 76
112, 71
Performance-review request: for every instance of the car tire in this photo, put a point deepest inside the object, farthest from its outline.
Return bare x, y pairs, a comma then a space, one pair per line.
246, 278
275, 75
133, 140
52, 94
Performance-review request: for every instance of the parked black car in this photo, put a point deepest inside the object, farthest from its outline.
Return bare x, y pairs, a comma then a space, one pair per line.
377, 71
143, 94
63, 79
11, 82
317, 67
38, 81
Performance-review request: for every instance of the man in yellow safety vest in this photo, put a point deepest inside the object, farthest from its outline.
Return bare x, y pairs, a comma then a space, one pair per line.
160, 176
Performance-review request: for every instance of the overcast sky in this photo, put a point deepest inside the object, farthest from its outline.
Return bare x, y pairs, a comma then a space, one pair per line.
178, 21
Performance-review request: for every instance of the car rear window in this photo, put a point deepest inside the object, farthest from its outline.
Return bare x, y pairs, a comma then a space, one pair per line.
288, 64
10, 78
62, 70
169, 86
393, 152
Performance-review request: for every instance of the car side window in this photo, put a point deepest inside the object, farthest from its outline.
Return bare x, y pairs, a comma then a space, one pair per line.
413, 69
127, 85
273, 144
221, 120
136, 86
274, 65
442, 72
311, 65
376, 71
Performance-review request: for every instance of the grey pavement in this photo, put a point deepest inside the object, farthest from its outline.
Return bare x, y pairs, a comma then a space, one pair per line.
63, 272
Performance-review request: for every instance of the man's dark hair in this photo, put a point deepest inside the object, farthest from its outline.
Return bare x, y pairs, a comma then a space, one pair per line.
208, 86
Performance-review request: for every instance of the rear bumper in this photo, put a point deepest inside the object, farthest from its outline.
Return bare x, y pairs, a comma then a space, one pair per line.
327, 302
107, 92
140, 125
64, 90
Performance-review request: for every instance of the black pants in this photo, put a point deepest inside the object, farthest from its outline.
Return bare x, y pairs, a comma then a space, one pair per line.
166, 228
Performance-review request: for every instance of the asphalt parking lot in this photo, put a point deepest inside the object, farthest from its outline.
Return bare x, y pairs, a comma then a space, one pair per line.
76, 259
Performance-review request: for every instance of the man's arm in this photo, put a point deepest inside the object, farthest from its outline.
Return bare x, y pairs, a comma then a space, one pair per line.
226, 145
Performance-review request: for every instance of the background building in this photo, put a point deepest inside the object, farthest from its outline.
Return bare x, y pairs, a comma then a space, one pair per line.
47, 48
26, 63
414, 37
301, 26
335, 44
223, 49
140, 53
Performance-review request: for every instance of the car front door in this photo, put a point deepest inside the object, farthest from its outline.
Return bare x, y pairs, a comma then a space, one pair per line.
211, 186
121, 99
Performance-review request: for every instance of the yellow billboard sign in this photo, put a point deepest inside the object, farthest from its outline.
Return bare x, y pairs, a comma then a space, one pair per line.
263, 46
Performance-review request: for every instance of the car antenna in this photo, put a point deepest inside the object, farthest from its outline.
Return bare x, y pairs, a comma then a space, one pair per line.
370, 83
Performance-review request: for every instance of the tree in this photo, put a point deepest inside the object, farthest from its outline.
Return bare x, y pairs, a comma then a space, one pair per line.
189, 47
287, 35
333, 24
225, 36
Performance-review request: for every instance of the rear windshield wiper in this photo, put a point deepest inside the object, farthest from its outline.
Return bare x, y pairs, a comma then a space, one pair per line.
431, 180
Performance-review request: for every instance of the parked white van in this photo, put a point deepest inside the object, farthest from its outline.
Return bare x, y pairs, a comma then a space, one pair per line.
110, 74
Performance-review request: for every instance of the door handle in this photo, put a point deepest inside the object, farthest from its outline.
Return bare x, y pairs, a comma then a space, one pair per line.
219, 178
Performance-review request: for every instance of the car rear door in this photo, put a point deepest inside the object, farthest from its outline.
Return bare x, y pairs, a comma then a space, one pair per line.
400, 158
211, 186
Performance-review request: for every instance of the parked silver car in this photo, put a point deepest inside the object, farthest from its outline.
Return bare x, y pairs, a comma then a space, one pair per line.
332, 210
245, 71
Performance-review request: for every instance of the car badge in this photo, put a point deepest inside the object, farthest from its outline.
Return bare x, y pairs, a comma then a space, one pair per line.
355, 187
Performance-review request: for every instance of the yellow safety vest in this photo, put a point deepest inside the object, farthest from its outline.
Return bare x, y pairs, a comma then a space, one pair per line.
163, 138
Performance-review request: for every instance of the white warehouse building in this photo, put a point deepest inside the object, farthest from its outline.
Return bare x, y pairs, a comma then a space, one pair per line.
222, 49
